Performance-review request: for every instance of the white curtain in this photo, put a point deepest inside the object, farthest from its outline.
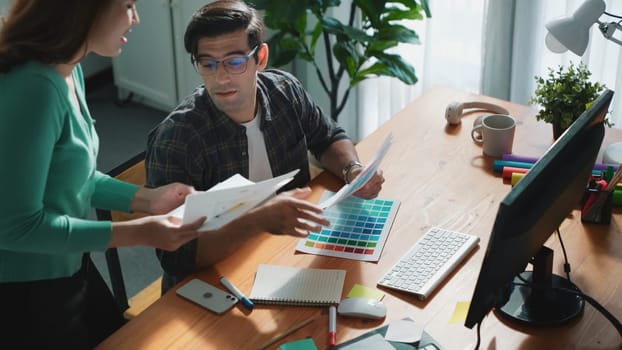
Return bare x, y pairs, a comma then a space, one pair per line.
528, 56
493, 48
449, 54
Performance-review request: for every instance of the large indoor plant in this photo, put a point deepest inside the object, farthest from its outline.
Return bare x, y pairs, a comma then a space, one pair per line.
564, 94
359, 47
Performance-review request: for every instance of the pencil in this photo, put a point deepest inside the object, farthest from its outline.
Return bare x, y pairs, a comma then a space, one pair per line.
285, 333
614, 179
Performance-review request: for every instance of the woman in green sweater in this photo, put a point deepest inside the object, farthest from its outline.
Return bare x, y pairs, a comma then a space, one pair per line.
49, 294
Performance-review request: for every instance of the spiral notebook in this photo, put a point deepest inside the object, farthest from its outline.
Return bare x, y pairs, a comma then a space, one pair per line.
287, 285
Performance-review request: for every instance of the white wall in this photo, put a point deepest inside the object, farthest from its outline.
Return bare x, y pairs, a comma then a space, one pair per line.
4, 4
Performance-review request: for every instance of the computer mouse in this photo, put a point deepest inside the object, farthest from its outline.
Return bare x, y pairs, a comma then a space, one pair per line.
362, 307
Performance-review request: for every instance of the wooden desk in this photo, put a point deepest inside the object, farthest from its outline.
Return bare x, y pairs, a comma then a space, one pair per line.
441, 179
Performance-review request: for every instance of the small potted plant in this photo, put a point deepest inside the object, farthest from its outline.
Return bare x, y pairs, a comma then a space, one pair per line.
564, 94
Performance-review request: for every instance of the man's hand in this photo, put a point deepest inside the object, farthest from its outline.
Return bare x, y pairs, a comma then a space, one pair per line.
372, 187
289, 213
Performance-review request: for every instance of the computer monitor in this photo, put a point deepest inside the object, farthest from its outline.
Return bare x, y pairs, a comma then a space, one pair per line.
527, 216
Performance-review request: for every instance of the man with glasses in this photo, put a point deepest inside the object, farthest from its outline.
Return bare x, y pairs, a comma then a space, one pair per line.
244, 119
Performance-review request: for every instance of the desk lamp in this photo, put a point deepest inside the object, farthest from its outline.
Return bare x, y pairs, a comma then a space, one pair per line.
572, 33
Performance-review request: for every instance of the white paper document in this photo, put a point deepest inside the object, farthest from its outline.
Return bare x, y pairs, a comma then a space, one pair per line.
362, 178
228, 200
404, 331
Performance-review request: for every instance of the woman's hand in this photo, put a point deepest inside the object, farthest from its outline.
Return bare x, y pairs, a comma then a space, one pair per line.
159, 231
160, 200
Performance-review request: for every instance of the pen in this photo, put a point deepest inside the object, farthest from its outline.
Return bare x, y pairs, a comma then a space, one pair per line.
332, 325
246, 301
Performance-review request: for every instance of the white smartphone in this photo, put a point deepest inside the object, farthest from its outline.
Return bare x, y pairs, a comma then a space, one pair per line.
208, 296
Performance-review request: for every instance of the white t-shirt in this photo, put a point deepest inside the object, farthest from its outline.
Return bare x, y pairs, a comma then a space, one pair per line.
258, 162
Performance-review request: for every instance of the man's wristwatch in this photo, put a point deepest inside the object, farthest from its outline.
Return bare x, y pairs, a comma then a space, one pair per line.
346, 169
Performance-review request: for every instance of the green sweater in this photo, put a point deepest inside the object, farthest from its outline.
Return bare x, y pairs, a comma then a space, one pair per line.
48, 177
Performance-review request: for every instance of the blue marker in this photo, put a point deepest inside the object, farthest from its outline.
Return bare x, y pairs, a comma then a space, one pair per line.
246, 301
498, 164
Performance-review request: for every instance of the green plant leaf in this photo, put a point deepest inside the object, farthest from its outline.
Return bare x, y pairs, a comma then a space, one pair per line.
371, 10
392, 66
396, 14
347, 56
564, 94
316, 33
282, 9
334, 26
360, 50
283, 49
382, 45
399, 33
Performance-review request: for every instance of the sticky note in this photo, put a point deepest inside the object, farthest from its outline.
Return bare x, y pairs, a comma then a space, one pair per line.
460, 312
404, 331
302, 344
359, 291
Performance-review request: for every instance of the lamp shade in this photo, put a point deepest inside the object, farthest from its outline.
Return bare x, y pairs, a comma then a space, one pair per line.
573, 32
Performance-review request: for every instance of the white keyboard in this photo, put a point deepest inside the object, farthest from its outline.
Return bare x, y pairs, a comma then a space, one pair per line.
429, 261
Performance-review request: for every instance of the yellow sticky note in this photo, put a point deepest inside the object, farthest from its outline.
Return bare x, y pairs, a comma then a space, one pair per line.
359, 291
460, 312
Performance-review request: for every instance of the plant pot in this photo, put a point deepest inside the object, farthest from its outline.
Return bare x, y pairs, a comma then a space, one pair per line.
557, 131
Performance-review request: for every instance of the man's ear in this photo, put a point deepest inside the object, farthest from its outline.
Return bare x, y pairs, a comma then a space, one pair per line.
262, 56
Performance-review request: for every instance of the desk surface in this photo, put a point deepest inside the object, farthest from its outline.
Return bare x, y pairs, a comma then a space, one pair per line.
441, 179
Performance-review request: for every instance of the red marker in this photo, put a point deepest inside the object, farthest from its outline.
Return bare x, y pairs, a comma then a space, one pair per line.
332, 325
600, 185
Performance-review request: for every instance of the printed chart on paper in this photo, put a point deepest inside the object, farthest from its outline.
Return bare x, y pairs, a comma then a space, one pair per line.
358, 230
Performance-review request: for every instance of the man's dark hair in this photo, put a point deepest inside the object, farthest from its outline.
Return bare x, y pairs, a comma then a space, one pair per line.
223, 17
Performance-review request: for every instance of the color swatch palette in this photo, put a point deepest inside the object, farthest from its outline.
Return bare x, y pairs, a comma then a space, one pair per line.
358, 230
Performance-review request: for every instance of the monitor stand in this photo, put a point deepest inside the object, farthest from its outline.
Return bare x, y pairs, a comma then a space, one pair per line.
535, 299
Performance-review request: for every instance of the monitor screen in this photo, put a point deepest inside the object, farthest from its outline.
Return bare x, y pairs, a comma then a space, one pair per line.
527, 216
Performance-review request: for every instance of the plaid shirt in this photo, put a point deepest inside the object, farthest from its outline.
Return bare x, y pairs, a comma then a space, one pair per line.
198, 144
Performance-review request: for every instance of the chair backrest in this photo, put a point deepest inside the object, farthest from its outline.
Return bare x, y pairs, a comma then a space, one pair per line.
133, 171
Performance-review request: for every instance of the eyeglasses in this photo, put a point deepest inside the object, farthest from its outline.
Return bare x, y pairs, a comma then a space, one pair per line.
232, 65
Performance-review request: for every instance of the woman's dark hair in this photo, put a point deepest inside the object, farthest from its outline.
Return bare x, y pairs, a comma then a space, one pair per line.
223, 17
48, 31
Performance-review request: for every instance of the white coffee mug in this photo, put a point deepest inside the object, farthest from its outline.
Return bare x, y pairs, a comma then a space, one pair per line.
495, 132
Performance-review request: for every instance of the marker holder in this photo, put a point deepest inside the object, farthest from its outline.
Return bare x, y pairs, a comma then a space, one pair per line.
596, 206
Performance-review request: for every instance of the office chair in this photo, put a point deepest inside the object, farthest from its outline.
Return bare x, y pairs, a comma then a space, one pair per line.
133, 171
